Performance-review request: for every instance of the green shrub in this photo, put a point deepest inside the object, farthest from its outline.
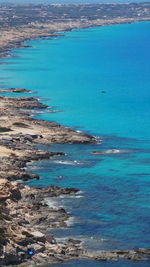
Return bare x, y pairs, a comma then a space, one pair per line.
4, 129
3, 234
20, 124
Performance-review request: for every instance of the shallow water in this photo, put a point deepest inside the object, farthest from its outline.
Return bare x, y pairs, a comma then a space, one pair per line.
113, 207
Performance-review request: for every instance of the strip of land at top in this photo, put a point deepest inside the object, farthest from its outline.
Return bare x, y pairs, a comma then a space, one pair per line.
22, 22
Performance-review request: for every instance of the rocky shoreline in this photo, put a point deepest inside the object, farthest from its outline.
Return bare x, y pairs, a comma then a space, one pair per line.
25, 216
24, 213
20, 134
16, 37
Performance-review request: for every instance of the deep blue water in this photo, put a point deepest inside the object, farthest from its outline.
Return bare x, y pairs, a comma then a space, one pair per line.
113, 208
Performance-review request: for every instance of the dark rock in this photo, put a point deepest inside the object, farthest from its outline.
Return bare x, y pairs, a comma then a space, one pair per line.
16, 90
15, 194
54, 191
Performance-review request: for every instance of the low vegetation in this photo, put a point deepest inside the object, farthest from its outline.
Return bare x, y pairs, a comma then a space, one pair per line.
20, 124
2, 231
19, 15
4, 129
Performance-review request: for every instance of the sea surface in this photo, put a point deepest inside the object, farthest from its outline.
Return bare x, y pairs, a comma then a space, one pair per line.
72, 1
99, 80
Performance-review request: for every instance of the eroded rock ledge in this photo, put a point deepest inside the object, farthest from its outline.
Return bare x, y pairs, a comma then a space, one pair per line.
24, 219
16, 110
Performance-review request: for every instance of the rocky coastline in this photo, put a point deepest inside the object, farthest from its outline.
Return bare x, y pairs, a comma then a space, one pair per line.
48, 21
16, 38
24, 213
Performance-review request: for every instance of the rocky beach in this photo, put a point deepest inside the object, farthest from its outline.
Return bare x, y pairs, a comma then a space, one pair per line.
24, 214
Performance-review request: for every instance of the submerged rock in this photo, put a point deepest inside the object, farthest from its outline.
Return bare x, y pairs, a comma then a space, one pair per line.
133, 255
110, 151
16, 90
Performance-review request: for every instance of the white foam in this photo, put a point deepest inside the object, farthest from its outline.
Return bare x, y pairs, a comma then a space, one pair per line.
68, 162
113, 151
70, 221
71, 196
80, 192
53, 203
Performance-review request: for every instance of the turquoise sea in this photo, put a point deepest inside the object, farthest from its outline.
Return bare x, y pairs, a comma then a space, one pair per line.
70, 73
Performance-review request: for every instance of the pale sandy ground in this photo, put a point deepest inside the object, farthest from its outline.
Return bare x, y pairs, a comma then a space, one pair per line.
5, 152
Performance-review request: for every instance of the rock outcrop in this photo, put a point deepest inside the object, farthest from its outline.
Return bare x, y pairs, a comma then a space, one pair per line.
115, 255
25, 217
15, 90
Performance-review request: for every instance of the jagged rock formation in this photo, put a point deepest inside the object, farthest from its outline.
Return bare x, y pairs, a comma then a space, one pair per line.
24, 217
